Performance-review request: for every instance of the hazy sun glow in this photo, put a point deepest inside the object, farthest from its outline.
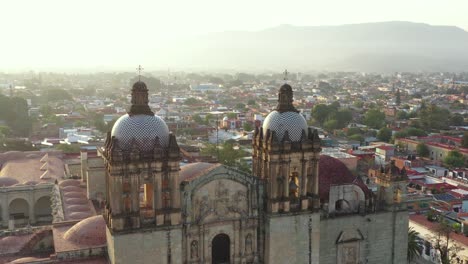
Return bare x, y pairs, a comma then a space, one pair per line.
50, 34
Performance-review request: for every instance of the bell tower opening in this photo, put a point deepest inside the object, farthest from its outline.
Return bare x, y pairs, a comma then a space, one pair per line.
220, 249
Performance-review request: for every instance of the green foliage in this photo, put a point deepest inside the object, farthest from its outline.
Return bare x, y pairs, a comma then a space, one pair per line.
464, 143
320, 113
398, 97
73, 148
342, 117
357, 138
15, 145
374, 118
198, 120
422, 150
240, 106
251, 102
410, 132
384, 134
358, 104
248, 126
5, 131
227, 154
457, 120
192, 101
330, 125
414, 245
454, 159
15, 113
56, 95
353, 130
434, 117
232, 115
402, 115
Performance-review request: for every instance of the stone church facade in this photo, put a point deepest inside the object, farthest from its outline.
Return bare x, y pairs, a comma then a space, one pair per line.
297, 206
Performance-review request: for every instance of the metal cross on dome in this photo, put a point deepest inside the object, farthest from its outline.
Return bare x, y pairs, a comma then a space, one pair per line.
285, 75
139, 69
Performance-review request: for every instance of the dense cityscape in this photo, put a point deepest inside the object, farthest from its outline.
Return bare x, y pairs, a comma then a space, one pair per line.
234, 132
413, 122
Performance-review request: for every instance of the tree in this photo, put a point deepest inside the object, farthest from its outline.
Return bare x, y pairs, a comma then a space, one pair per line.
457, 120
342, 117
227, 152
398, 98
357, 137
240, 106
441, 242
402, 115
55, 95
422, 150
320, 113
384, 134
464, 143
454, 159
248, 126
330, 125
251, 102
192, 101
374, 118
73, 148
414, 244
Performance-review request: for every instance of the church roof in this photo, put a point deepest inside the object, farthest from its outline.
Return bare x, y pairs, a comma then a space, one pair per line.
194, 170
334, 172
90, 231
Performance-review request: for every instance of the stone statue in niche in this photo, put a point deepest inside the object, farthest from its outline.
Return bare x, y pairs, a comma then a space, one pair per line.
194, 249
349, 255
248, 244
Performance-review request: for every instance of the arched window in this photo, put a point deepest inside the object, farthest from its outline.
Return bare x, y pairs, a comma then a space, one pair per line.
342, 206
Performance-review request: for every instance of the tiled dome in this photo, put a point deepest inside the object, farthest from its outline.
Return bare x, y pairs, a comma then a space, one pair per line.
292, 122
90, 231
143, 129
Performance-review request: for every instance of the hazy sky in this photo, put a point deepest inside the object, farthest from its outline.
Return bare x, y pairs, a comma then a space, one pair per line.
102, 33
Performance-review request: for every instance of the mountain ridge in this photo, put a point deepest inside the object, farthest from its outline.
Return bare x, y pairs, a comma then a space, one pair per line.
358, 47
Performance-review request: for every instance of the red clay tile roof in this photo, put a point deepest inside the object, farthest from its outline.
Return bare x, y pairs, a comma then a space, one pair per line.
334, 172
194, 170
90, 231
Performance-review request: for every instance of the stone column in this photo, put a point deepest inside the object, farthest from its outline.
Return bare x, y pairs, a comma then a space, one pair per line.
158, 185
5, 211
32, 217
303, 178
286, 179
316, 176
175, 197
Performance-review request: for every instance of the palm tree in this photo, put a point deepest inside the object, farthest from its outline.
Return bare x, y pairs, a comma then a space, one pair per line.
414, 245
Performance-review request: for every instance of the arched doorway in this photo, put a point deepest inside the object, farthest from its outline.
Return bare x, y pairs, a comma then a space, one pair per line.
220, 249
19, 211
43, 210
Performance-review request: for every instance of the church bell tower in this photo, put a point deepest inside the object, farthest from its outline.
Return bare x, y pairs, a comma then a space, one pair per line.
286, 155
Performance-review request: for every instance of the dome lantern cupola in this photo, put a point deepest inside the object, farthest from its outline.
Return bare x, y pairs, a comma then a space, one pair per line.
285, 99
140, 100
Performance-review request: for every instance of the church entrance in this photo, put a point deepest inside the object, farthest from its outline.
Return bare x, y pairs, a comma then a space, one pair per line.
220, 249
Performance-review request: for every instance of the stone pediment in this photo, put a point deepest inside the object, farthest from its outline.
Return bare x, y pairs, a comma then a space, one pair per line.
349, 236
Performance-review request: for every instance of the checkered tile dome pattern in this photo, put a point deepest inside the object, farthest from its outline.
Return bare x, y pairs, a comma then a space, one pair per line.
293, 122
143, 128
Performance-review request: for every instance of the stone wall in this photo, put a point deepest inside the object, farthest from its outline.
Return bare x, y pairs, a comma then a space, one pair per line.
292, 239
377, 238
151, 246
